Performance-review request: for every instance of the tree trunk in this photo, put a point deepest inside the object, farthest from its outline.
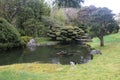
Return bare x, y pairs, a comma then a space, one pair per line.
101, 41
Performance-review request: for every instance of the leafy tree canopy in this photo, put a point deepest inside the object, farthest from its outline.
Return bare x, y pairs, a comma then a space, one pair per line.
68, 3
98, 21
21, 13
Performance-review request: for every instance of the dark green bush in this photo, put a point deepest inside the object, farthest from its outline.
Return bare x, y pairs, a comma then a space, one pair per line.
22, 32
9, 36
34, 28
65, 34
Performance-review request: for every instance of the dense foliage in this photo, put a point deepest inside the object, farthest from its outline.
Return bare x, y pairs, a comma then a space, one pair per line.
51, 22
25, 15
9, 36
98, 22
65, 34
58, 14
102, 18
34, 18
68, 3
30, 17
117, 18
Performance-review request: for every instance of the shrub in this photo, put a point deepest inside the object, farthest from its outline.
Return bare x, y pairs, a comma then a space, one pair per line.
34, 28
9, 36
21, 31
65, 34
26, 39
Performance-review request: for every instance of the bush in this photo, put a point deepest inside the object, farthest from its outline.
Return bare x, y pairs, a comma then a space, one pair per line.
22, 32
9, 36
26, 39
34, 28
66, 34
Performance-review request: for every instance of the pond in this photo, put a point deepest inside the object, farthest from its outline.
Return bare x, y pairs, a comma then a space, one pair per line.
46, 54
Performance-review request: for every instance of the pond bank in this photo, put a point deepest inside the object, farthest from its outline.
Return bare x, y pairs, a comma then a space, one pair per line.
44, 42
48, 44
104, 67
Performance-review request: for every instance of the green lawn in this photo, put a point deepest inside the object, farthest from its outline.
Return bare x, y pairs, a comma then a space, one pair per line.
103, 67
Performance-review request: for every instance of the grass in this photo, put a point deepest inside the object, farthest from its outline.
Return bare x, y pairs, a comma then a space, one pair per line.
103, 67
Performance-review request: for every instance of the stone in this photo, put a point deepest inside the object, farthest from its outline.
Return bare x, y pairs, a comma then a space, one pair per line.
31, 42
72, 64
92, 52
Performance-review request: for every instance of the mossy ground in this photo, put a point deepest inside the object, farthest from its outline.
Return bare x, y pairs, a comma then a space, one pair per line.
102, 67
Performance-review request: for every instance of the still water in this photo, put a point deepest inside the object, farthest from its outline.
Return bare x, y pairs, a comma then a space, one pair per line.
46, 54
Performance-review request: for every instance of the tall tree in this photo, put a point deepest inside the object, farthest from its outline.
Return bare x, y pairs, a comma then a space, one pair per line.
99, 23
9, 9
84, 17
21, 12
68, 3
84, 14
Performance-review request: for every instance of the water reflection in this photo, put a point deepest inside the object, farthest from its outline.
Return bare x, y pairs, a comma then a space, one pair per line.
55, 60
46, 54
32, 48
